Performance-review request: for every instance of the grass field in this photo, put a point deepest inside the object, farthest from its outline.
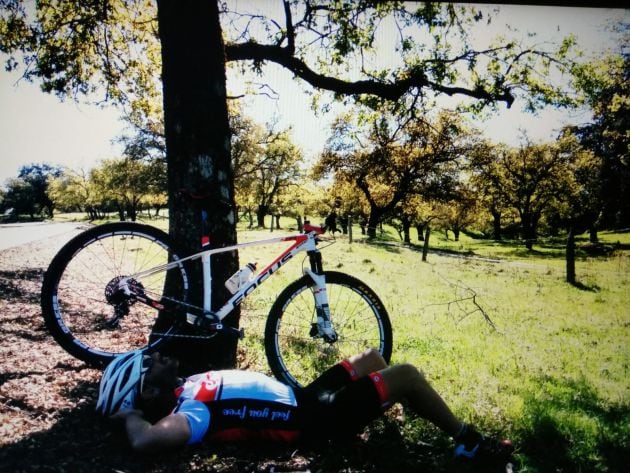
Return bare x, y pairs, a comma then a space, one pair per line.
553, 371
509, 344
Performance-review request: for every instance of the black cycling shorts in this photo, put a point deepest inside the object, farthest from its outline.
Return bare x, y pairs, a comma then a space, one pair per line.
339, 405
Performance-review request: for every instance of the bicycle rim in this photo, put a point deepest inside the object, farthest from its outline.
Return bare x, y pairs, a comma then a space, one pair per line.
80, 303
357, 315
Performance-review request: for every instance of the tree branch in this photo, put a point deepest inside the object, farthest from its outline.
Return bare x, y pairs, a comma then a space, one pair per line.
388, 90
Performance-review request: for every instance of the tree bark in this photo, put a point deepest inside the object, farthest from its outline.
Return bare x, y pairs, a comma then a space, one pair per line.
198, 158
261, 211
570, 256
406, 224
496, 224
425, 247
420, 230
373, 221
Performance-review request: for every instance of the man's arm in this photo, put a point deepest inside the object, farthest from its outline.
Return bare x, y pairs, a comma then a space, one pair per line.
171, 431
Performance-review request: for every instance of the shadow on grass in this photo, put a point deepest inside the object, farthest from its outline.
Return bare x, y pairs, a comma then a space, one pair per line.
389, 246
584, 287
567, 427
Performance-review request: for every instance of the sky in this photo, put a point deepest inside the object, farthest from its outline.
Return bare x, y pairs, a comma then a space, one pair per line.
37, 127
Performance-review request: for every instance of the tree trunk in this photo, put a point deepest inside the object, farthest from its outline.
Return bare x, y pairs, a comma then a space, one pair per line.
529, 232
373, 221
425, 247
570, 256
251, 218
592, 234
198, 159
132, 212
406, 224
261, 211
456, 234
349, 228
420, 230
300, 225
496, 224
121, 212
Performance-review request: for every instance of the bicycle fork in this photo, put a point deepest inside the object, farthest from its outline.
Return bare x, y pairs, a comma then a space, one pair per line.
323, 327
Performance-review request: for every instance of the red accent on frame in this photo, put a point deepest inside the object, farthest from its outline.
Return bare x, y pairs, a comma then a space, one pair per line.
313, 228
299, 239
205, 240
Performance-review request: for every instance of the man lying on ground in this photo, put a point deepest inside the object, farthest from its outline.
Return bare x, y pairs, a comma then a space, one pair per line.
162, 410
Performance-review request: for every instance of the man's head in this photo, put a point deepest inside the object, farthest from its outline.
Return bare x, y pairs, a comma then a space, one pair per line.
133, 376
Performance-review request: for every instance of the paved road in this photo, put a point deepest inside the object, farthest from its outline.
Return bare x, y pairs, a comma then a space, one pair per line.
15, 234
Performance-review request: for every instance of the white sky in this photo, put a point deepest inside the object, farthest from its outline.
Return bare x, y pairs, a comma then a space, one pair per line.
37, 127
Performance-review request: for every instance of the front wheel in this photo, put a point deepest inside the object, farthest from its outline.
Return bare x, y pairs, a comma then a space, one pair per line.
296, 354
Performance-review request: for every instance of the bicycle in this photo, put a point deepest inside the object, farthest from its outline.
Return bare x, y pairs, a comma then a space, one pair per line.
104, 289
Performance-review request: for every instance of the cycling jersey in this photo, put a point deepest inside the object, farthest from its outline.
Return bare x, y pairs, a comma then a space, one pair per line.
235, 405
232, 405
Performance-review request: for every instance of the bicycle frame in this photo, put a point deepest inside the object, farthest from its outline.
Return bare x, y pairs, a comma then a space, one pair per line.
302, 242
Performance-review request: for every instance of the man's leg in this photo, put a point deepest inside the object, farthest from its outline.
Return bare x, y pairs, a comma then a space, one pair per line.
405, 382
367, 362
347, 371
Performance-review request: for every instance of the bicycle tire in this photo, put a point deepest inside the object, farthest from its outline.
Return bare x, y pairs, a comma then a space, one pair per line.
74, 302
357, 314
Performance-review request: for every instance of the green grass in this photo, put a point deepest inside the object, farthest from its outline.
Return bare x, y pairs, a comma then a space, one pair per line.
553, 372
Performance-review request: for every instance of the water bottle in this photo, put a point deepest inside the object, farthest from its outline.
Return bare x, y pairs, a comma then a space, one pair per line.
240, 277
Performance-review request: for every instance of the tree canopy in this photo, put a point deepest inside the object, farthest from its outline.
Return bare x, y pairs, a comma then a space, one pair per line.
605, 84
112, 48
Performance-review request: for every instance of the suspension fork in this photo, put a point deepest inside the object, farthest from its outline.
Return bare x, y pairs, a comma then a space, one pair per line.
323, 328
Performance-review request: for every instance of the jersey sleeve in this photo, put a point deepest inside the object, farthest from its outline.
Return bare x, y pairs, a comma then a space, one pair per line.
198, 416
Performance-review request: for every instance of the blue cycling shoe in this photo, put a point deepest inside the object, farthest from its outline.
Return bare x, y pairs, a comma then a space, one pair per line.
471, 445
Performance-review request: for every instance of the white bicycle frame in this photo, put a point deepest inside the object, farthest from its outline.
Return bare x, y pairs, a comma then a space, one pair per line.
302, 242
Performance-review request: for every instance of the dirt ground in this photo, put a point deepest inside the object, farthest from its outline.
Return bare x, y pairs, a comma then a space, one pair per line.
48, 423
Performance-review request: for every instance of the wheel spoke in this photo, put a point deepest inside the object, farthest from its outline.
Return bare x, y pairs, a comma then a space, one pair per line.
86, 321
358, 317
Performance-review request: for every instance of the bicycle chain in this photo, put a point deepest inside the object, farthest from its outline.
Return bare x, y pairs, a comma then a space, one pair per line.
181, 335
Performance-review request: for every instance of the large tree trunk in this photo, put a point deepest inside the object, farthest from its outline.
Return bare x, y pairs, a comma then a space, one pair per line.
529, 231
261, 212
198, 156
373, 221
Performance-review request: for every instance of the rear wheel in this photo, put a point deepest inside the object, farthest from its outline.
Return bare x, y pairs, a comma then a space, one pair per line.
82, 304
297, 355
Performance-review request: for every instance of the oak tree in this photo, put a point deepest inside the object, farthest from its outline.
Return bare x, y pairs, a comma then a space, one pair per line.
129, 49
